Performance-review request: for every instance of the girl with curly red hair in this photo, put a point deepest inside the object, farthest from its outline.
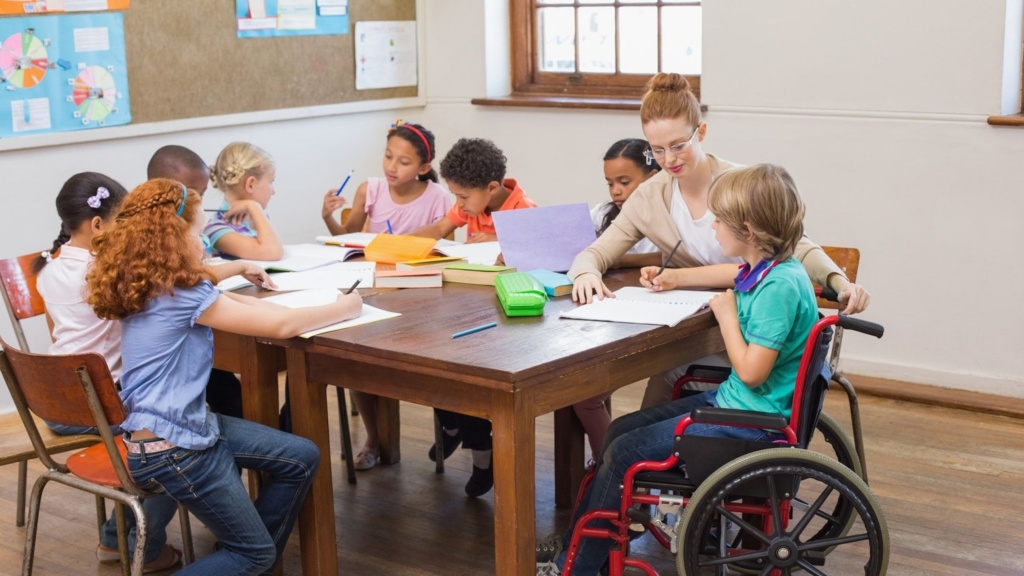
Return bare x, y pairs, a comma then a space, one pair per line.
148, 274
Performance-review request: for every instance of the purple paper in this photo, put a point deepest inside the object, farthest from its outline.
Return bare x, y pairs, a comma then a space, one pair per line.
546, 238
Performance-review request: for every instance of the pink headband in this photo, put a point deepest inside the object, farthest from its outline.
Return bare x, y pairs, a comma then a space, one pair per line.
399, 124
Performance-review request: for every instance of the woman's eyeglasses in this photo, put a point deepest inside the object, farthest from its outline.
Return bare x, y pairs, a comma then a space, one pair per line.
658, 153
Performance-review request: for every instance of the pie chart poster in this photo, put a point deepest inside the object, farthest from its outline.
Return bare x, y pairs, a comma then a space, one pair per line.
61, 73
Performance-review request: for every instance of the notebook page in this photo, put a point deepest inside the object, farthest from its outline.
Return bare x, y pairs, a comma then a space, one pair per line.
641, 306
320, 297
338, 275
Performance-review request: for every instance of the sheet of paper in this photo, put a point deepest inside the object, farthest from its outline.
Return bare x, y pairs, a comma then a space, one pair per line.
385, 54
31, 114
635, 305
79, 5
485, 253
336, 276
92, 39
233, 283
308, 298
300, 257
296, 14
355, 238
547, 238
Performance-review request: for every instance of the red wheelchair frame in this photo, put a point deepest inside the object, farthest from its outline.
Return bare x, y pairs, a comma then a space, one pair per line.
807, 401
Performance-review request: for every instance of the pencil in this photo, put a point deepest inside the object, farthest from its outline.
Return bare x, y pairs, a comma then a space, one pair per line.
342, 187
353, 286
476, 329
669, 259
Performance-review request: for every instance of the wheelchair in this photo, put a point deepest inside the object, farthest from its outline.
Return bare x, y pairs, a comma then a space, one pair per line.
727, 506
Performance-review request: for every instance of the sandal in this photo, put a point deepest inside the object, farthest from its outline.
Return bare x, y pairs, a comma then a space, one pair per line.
168, 558
367, 458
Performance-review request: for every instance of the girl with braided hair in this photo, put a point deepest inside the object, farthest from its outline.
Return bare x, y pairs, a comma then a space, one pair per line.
148, 273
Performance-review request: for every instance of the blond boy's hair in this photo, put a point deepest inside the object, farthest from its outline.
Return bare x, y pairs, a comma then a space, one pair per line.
761, 205
236, 162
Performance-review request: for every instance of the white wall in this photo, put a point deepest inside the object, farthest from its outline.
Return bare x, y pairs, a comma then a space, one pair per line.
876, 107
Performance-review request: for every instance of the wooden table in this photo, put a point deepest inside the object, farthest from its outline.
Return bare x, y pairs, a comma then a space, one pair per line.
510, 375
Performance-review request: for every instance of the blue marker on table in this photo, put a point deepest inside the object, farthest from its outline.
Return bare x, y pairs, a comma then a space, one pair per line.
476, 329
342, 187
390, 231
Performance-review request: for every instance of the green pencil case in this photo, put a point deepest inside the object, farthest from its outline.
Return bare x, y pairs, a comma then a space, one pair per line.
520, 294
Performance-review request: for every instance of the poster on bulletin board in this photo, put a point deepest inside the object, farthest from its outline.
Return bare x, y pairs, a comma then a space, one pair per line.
22, 7
60, 73
385, 54
270, 18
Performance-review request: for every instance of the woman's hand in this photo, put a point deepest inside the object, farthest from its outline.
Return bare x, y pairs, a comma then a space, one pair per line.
853, 295
332, 204
588, 286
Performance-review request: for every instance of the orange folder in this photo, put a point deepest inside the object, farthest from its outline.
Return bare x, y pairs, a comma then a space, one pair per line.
393, 248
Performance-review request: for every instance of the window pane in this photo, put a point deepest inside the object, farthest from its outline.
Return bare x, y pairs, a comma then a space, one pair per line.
597, 39
557, 39
681, 39
597, 1
638, 40
554, 1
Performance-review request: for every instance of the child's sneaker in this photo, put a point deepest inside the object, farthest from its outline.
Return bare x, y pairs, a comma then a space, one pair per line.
549, 548
548, 569
480, 482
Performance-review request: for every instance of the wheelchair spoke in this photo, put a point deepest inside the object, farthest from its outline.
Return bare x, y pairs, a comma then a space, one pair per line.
733, 559
804, 506
812, 512
746, 527
776, 517
829, 542
810, 568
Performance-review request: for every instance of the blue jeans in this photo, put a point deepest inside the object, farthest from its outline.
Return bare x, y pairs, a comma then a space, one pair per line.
251, 534
643, 435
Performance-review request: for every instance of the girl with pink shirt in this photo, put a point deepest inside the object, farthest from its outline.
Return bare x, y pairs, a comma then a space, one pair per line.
406, 199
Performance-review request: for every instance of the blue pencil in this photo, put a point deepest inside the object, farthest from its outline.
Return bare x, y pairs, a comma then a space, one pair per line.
342, 187
390, 231
476, 329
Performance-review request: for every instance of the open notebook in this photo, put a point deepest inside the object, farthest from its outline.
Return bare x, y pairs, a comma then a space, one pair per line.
641, 306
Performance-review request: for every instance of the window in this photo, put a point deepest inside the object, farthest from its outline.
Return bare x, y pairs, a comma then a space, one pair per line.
602, 48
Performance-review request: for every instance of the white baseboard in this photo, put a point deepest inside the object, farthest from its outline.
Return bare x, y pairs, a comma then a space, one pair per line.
943, 379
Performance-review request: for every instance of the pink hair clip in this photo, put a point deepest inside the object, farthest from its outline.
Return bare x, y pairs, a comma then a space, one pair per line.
101, 193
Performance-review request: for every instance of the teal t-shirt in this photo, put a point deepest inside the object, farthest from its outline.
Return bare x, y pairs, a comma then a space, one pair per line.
777, 313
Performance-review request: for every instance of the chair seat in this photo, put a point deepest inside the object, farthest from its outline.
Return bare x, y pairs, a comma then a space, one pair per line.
93, 464
16, 447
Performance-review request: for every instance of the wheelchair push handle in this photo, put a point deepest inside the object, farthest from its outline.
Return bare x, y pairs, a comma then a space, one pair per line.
862, 326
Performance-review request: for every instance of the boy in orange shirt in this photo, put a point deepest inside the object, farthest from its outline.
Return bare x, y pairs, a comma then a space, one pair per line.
474, 170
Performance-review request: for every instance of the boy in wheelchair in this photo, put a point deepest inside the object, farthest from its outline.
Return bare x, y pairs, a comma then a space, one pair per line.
765, 322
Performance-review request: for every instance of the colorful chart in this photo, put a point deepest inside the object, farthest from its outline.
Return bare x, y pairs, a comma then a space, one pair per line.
23, 60
94, 94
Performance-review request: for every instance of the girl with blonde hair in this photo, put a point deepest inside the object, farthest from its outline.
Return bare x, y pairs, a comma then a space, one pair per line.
245, 173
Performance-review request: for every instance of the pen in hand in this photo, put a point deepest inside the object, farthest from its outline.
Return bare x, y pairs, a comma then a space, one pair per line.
667, 260
390, 230
353, 286
342, 187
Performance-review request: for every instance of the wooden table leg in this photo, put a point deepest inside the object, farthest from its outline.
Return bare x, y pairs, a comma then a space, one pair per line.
389, 430
570, 453
316, 519
514, 470
260, 364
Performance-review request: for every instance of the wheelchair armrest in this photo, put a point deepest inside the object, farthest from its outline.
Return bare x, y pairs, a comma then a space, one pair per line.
729, 416
862, 326
706, 372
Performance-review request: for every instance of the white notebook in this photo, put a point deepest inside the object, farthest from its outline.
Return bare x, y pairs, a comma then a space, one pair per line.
320, 297
641, 306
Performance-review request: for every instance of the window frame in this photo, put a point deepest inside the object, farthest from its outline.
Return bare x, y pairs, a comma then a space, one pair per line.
528, 80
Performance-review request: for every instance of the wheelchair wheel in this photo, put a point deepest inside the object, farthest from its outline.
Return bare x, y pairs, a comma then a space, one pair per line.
788, 538
840, 446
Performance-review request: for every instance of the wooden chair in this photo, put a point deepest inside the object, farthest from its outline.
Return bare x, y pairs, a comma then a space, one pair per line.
23, 302
78, 390
848, 260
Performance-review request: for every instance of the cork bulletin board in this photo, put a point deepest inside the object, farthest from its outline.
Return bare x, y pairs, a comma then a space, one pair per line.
185, 61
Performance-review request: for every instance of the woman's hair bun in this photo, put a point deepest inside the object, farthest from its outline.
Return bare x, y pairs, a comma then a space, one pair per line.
668, 82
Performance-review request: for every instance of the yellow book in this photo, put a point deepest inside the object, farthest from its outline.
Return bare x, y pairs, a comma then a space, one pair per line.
474, 273
430, 263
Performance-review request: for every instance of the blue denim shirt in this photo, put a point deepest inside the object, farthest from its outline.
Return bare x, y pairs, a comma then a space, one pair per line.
167, 359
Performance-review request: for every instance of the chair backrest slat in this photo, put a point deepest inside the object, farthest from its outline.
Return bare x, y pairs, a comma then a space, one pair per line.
848, 260
53, 391
19, 291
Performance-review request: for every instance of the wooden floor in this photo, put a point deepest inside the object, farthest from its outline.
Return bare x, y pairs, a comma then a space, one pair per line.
951, 484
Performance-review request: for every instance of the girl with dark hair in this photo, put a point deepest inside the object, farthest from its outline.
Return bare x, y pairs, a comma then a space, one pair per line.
406, 199
625, 168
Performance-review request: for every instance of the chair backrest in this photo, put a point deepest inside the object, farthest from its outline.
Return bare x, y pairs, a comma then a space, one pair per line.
74, 389
19, 290
848, 260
